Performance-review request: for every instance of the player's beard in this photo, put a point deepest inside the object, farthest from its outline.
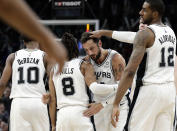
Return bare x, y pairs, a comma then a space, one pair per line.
147, 21
97, 56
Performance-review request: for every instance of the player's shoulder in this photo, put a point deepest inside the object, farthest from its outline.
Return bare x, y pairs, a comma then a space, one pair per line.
10, 57
147, 31
118, 58
145, 36
116, 55
85, 66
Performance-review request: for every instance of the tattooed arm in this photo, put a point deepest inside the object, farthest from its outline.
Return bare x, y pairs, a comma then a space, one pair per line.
118, 65
143, 40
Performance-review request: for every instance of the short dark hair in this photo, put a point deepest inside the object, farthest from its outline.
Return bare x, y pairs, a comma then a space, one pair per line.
25, 39
86, 36
70, 43
157, 5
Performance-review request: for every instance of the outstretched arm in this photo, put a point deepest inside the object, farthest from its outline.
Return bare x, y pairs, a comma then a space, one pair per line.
17, 14
7, 72
122, 36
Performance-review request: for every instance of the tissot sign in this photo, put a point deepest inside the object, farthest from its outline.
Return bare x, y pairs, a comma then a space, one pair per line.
67, 3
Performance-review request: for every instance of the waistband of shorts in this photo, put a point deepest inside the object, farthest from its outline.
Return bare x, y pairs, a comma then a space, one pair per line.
26, 98
165, 83
71, 105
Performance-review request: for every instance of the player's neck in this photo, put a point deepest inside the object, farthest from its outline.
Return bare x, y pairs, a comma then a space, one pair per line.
157, 22
32, 46
103, 56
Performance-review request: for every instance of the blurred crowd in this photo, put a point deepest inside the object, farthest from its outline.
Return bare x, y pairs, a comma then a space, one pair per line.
5, 104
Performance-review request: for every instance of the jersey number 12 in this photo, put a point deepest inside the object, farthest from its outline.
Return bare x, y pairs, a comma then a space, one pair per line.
170, 60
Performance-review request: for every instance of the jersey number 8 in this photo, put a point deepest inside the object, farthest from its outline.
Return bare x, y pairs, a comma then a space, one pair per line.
68, 88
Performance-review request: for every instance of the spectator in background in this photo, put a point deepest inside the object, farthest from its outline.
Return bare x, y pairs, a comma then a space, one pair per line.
4, 115
6, 100
3, 126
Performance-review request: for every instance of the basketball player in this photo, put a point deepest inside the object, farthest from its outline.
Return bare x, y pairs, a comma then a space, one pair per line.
27, 68
17, 14
71, 91
153, 105
109, 66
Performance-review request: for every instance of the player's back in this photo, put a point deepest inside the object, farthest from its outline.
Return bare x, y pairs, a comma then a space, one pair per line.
70, 85
158, 61
28, 73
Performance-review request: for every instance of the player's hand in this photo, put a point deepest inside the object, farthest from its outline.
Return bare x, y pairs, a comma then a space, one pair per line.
46, 98
53, 128
96, 34
93, 109
115, 115
142, 26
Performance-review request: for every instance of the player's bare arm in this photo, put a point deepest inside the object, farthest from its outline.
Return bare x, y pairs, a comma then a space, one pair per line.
52, 104
143, 40
118, 65
90, 79
88, 71
117, 35
100, 33
175, 73
17, 14
6, 75
48, 64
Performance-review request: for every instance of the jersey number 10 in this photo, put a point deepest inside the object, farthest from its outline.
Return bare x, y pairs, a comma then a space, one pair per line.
29, 78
